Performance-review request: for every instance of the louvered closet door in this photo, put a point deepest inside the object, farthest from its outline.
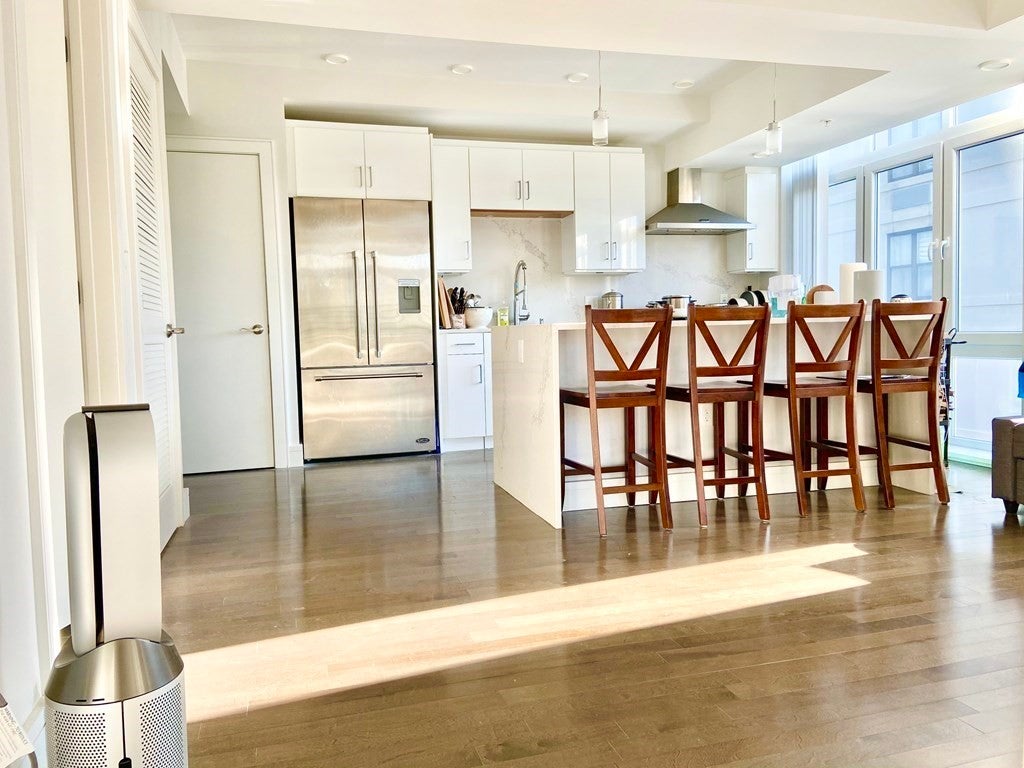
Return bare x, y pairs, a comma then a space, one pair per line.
151, 260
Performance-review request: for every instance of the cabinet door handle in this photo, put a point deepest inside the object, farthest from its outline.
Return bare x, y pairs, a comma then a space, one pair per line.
467, 251
519, 190
361, 184
370, 170
480, 374
527, 190
615, 251
607, 252
750, 251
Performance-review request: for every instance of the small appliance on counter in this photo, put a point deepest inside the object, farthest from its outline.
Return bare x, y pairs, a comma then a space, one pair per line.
782, 289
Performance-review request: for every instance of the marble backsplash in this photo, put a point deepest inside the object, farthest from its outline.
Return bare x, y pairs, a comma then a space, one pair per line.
693, 265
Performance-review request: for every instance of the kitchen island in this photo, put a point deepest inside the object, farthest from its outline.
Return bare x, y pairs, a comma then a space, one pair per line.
531, 362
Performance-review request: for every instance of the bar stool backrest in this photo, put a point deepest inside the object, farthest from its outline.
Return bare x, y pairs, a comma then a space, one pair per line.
700, 338
842, 355
660, 321
927, 350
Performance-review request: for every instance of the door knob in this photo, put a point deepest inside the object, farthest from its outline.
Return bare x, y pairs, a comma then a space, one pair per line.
256, 329
171, 330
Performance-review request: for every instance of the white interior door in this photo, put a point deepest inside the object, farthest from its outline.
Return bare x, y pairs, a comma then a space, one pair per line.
152, 279
221, 297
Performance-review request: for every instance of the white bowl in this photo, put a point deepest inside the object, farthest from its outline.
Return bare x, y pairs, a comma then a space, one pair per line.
478, 317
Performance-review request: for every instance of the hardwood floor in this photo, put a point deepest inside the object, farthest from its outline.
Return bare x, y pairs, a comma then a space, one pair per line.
727, 646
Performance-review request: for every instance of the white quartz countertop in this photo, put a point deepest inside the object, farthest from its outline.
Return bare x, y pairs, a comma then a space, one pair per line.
485, 329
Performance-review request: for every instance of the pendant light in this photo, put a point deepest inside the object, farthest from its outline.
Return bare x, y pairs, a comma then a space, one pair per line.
773, 133
599, 128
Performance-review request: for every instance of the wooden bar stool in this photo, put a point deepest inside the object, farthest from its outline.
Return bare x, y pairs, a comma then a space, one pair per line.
913, 369
632, 387
823, 376
720, 386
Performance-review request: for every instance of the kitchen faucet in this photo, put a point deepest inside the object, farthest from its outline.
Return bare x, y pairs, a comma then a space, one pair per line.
520, 312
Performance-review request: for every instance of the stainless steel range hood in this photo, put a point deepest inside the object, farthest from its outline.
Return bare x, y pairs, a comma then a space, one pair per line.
685, 214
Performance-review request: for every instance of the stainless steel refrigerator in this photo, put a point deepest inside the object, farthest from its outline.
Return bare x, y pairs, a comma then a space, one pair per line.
366, 349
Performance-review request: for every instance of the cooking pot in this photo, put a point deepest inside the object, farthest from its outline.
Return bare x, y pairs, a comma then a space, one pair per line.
611, 300
679, 304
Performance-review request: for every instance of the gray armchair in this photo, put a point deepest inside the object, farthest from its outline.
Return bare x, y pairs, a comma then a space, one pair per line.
1008, 461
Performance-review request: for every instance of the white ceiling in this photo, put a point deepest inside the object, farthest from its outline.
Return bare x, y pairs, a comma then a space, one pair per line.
864, 64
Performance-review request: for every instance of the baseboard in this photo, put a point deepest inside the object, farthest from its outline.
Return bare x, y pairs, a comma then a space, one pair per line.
295, 456
186, 506
35, 727
451, 445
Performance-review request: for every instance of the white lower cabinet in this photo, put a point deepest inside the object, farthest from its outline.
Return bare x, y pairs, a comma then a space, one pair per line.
464, 390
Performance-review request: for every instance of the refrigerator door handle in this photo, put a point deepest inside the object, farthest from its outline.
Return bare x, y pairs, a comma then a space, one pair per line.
355, 283
376, 309
364, 376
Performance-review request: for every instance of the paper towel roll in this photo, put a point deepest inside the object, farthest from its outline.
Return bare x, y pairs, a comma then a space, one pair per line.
826, 297
846, 273
869, 284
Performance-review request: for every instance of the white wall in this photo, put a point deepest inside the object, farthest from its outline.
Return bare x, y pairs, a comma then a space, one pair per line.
693, 265
41, 380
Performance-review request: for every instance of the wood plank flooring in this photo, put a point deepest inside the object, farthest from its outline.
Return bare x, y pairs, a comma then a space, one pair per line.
688, 648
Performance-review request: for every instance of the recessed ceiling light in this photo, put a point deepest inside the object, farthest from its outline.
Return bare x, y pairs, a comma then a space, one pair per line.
335, 58
682, 85
460, 69
759, 155
826, 123
994, 65
577, 77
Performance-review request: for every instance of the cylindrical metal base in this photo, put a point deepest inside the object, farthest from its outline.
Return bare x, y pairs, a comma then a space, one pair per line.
123, 700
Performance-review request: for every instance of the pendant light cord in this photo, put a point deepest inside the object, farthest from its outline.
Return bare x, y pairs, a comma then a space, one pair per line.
600, 79
775, 89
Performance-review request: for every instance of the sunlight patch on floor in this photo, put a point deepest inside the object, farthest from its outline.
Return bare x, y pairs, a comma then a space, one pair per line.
231, 680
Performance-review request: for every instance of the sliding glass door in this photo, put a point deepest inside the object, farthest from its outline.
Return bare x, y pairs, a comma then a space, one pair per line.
984, 279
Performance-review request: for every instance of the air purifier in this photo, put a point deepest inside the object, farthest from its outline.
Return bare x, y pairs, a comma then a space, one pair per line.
115, 696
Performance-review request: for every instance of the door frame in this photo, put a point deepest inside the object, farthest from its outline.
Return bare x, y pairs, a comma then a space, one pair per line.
277, 326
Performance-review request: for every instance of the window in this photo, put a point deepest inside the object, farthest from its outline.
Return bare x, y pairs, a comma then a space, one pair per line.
841, 246
909, 269
987, 105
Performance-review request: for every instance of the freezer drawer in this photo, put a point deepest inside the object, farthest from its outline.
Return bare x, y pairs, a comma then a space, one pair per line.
367, 411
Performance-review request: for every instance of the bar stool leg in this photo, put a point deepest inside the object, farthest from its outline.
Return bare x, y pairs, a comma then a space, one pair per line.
805, 443
595, 442
758, 450
718, 441
652, 496
561, 423
853, 454
630, 418
882, 437
933, 445
698, 462
661, 464
742, 442
821, 404
796, 438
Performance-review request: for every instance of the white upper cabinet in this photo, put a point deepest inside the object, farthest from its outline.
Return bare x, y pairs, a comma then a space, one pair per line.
453, 237
754, 194
547, 180
628, 212
328, 162
587, 241
347, 161
509, 179
496, 179
397, 165
606, 231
